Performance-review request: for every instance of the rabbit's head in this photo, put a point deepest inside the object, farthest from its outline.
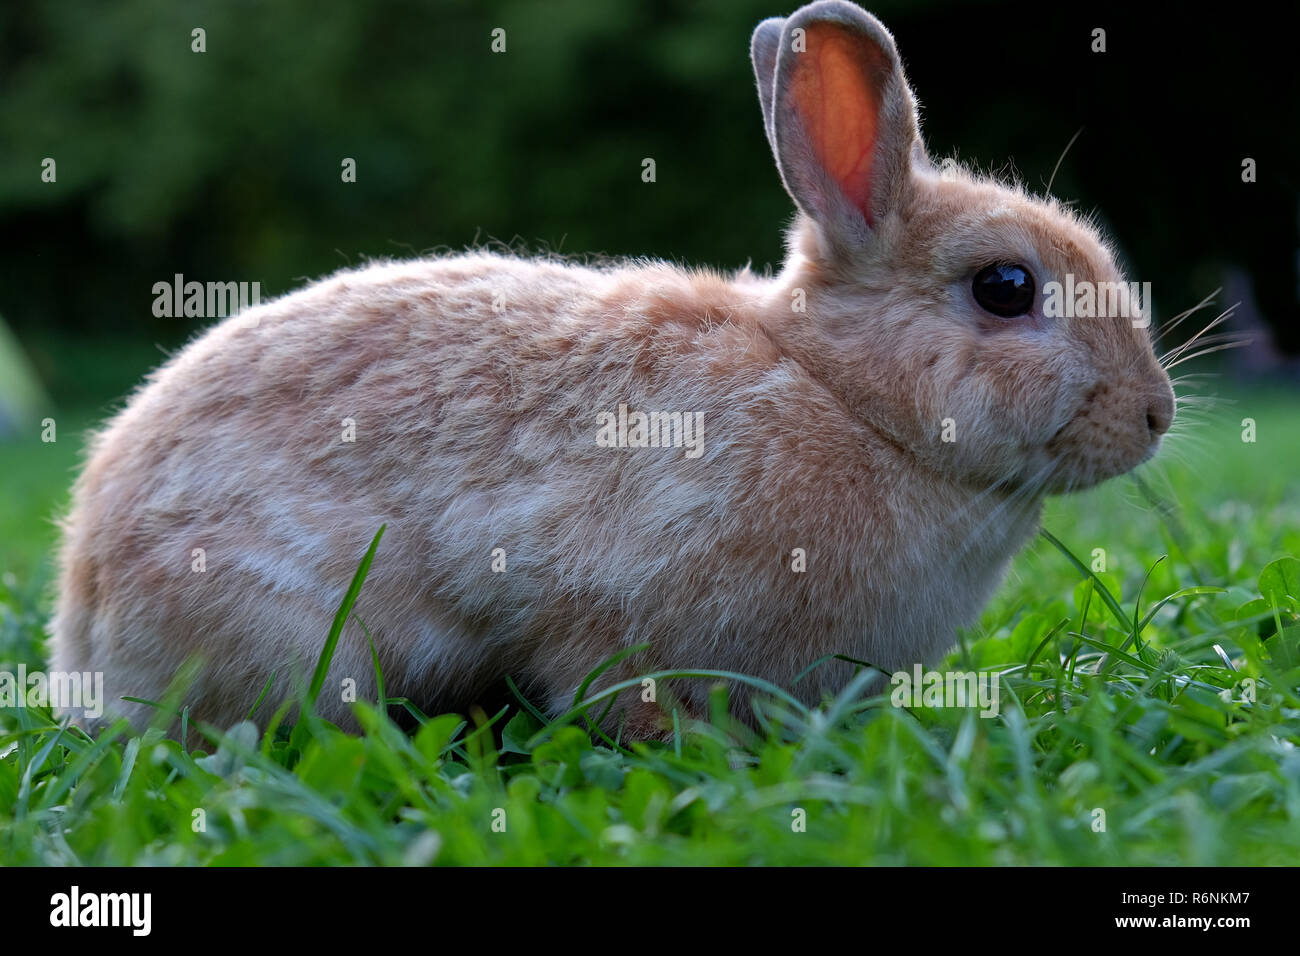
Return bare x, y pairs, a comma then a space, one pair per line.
949, 312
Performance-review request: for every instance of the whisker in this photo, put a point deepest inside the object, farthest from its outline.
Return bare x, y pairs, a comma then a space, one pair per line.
1173, 323
1015, 504
1051, 179
1189, 378
1222, 317
1221, 347
1212, 339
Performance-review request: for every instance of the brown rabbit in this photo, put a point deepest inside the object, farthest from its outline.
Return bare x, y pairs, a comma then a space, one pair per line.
842, 458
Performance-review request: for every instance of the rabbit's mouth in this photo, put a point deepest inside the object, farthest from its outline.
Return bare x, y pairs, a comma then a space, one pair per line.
1112, 432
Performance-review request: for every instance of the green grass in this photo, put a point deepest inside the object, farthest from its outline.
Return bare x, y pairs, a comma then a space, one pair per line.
1113, 703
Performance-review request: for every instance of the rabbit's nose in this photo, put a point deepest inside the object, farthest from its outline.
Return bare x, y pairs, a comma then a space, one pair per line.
1160, 413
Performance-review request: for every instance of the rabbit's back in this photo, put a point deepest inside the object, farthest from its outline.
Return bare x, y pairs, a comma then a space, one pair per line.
225, 509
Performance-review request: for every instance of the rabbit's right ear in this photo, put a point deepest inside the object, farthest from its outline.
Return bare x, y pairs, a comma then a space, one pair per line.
841, 119
763, 46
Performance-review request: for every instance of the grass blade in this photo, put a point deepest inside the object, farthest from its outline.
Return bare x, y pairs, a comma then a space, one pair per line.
345, 609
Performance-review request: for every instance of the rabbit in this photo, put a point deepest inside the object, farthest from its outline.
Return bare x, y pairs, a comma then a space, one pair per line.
867, 438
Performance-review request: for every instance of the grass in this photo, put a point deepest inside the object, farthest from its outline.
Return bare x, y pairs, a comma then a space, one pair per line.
1127, 732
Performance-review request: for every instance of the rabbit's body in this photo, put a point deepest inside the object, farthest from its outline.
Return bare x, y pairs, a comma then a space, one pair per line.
475, 429
881, 421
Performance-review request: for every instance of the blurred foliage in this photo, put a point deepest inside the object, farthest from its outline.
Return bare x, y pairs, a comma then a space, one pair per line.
226, 164
22, 399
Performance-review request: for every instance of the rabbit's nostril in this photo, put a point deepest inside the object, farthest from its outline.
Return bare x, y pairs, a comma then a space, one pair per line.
1160, 409
1159, 414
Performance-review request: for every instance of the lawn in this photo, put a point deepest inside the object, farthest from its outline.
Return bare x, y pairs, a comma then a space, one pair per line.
1149, 715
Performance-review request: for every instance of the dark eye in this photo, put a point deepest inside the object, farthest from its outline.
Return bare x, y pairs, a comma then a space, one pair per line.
1004, 290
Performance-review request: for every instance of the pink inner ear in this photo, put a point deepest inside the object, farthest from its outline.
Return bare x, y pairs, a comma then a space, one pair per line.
840, 109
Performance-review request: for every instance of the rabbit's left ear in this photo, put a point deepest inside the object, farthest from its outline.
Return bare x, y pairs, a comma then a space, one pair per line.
842, 120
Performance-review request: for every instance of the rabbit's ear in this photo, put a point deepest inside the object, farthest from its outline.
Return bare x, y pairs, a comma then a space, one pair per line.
762, 51
843, 121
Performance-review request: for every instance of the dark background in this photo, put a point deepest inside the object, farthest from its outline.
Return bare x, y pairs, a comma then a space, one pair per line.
225, 165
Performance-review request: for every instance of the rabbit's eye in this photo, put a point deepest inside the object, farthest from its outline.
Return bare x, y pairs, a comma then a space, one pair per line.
1004, 290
